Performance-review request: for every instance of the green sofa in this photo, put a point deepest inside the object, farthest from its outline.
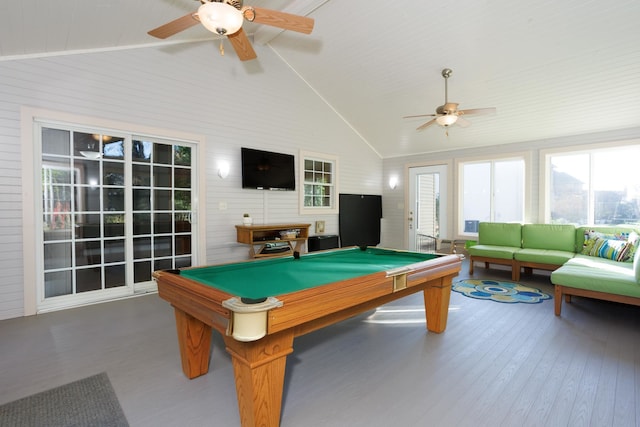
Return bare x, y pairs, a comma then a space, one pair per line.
579, 257
497, 244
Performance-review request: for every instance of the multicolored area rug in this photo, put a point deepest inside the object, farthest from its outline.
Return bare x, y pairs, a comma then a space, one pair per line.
499, 291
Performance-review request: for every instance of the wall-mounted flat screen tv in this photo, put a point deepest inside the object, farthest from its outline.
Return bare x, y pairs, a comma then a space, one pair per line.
266, 170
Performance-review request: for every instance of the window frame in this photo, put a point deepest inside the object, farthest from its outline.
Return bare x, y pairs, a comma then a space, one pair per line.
545, 172
333, 204
459, 168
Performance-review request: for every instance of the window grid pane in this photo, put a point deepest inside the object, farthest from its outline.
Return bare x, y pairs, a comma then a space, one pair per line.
318, 183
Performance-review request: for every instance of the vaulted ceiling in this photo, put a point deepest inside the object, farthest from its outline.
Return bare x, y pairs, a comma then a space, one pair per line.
550, 68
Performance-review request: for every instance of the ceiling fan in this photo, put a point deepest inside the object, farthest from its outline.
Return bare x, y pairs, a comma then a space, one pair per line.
225, 18
448, 114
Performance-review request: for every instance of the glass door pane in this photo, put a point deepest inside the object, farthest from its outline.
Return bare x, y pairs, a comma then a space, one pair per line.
162, 192
83, 212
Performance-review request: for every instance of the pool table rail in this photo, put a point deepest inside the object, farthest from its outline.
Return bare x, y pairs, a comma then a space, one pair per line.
201, 302
342, 300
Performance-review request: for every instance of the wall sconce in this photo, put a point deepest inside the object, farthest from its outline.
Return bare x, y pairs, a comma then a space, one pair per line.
223, 169
393, 182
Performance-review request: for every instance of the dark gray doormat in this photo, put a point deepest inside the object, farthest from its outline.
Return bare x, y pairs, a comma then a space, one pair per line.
87, 402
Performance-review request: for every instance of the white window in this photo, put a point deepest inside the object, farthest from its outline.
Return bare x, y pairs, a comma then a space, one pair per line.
319, 178
594, 186
491, 191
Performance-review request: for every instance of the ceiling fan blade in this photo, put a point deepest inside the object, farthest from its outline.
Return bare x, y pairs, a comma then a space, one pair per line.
478, 111
463, 123
420, 115
242, 45
429, 123
174, 27
286, 21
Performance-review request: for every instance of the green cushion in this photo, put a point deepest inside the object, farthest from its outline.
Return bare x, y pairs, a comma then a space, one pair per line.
500, 234
595, 262
616, 279
559, 237
491, 251
543, 256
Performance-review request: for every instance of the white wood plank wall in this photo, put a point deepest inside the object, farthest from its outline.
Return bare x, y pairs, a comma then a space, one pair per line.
187, 88
10, 212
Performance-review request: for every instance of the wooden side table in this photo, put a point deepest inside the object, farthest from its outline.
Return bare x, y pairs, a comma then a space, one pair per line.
266, 241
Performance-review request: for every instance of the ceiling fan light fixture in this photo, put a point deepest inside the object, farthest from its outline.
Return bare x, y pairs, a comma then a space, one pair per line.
447, 120
220, 18
91, 155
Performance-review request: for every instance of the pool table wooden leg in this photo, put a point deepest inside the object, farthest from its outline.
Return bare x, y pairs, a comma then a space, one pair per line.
436, 304
194, 339
259, 368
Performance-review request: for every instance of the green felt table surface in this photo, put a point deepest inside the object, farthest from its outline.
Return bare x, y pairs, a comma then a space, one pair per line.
277, 276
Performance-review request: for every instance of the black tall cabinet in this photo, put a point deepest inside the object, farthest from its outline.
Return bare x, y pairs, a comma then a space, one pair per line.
359, 219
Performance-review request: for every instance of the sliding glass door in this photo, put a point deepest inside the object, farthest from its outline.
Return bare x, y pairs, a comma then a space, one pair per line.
114, 208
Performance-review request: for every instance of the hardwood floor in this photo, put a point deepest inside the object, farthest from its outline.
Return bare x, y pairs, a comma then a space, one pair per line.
496, 364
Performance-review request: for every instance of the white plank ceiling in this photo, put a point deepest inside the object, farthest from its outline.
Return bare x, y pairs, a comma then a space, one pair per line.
551, 68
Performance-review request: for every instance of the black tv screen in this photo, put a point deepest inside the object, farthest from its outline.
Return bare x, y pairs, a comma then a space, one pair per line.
265, 170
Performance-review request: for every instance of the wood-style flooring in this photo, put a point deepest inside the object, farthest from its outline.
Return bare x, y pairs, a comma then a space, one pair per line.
495, 365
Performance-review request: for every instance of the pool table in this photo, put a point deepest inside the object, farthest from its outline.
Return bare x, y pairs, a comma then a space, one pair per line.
260, 306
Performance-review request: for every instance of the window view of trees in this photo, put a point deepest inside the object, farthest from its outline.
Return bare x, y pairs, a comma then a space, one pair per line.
596, 187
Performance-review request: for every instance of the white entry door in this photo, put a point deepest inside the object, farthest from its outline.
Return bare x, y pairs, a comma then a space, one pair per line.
427, 220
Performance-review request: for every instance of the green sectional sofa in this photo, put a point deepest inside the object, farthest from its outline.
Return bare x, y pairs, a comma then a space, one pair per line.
529, 246
594, 262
